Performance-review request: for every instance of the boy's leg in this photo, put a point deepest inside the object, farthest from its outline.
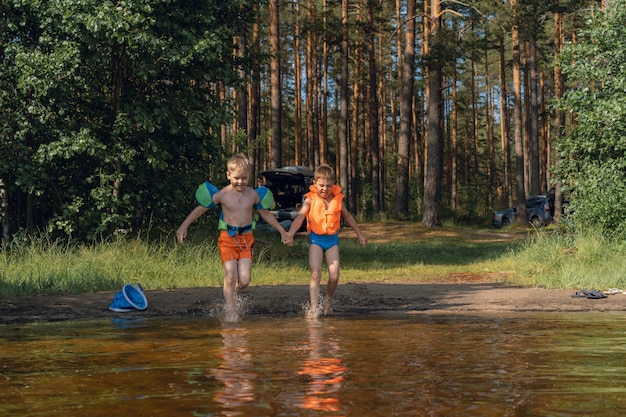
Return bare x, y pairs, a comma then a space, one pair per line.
236, 272
230, 281
332, 260
316, 255
244, 272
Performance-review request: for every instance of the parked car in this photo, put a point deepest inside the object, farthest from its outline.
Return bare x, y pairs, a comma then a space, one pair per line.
539, 212
504, 217
288, 184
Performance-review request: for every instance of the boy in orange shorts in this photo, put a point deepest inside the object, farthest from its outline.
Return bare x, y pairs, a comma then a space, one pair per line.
236, 239
323, 208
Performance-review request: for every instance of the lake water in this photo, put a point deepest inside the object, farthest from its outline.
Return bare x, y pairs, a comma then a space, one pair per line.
408, 364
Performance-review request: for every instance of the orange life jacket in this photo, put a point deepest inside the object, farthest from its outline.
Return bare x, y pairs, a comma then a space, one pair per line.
322, 220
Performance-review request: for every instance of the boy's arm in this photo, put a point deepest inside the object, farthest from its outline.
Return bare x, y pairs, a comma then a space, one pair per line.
297, 222
272, 221
181, 233
353, 224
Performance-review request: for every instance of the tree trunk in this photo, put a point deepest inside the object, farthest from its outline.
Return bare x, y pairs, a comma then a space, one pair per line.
315, 93
545, 148
434, 152
357, 131
454, 137
344, 99
324, 102
559, 116
520, 194
434, 117
383, 126
525, 119
373, 110
491, 163
394, 105
504, 126
401, 205
275, 87
475, 166
533, 116
254, 122
297, 118
311, 120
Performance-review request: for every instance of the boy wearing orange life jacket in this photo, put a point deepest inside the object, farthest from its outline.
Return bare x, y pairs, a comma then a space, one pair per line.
323, 209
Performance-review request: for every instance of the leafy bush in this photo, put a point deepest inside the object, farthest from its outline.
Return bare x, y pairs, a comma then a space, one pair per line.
593, 154
109, 109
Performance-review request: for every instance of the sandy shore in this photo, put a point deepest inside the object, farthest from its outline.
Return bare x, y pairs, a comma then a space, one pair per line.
351, 298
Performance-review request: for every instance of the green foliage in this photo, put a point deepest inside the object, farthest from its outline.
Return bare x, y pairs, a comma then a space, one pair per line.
108, 108
593, 158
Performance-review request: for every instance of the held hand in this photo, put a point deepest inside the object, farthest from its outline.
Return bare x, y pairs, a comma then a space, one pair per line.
286, 239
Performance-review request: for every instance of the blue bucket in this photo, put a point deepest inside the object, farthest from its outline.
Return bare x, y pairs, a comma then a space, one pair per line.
130, 298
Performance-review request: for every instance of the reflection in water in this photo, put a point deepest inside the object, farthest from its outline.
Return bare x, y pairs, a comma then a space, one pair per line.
235, 371
516, 365
127, 322
324, 368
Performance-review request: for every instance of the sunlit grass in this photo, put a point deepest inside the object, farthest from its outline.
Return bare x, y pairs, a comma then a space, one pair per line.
564, 260
400, 253
44, 266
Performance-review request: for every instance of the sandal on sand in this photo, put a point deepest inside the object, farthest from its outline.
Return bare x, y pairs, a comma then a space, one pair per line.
612, 291
580, 294
595, 294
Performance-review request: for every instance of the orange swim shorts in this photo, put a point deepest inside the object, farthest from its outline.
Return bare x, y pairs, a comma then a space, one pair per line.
235, 247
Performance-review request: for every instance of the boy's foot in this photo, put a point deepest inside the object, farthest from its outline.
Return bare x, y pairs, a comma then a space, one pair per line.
328, 306
234, 310
313, 311
312, 314
230, 315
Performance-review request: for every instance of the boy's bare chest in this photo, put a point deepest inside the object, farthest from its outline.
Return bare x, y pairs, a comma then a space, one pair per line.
238, 200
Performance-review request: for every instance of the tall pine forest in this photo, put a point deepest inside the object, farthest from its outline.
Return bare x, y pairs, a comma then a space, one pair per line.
112, 112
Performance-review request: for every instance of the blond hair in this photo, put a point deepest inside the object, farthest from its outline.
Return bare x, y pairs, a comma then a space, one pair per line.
238, 161
325, 172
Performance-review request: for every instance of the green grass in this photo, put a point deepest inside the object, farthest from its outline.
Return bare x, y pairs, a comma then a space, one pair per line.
547, 258
563, 260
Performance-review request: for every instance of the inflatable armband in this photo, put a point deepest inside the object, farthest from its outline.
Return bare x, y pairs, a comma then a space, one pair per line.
204, 194
267, 198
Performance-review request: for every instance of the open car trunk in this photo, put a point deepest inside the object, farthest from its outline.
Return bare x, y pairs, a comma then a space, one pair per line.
288, 184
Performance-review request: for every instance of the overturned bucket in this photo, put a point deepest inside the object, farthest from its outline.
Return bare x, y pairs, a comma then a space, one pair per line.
130, 298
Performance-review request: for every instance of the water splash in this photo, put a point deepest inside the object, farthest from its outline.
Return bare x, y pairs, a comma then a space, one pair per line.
313, 313
235, 314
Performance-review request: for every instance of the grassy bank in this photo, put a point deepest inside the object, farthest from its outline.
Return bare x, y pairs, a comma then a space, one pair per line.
561, 260
395, 253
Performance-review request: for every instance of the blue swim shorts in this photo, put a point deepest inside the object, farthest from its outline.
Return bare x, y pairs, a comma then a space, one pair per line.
324, 241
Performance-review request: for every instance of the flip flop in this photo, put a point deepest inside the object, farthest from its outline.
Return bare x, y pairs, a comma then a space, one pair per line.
580, 294
595, 294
